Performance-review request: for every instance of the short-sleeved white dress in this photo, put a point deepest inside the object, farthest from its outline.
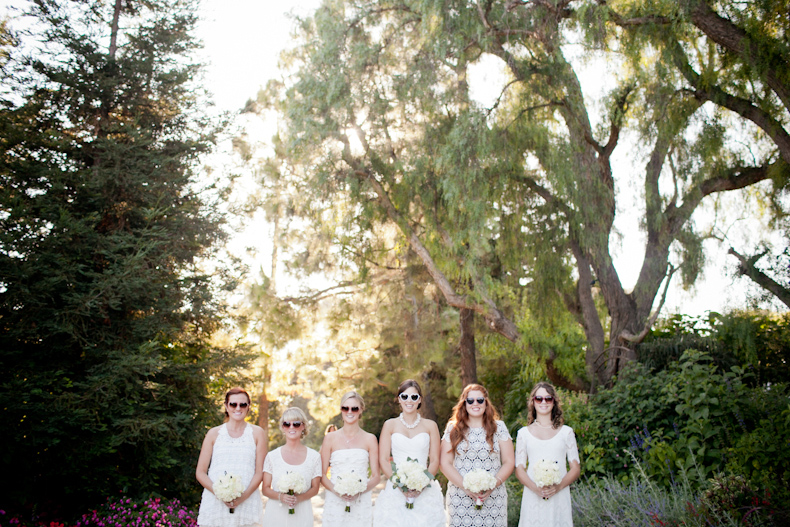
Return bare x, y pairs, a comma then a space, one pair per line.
276, 513
557, 510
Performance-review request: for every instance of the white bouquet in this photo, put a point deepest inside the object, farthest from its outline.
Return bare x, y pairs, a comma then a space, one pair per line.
410, 475
227, 488
349, 484
479, 480
291, 483
546, 473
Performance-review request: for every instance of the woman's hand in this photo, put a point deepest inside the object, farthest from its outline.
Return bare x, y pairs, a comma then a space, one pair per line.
289, 500
483, 496
548, 491
348, 497
411, 493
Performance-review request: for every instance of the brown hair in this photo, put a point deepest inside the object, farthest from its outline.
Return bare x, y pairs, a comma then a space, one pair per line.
405, 385
234, 391
460, 418
556, 411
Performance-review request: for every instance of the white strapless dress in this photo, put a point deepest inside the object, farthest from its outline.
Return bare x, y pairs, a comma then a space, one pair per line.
428, 511
341, 462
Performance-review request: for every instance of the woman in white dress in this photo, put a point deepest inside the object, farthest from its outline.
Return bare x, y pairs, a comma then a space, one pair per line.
546, 438
475, 438
409, 436
349, 451
293, 457
235, 448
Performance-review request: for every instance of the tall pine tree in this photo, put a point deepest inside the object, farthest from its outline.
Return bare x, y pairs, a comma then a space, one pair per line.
105, 313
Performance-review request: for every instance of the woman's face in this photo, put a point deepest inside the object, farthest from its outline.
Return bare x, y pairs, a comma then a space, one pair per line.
350, 410
475, 403
237, 406
412, 400
292, 428
541, 402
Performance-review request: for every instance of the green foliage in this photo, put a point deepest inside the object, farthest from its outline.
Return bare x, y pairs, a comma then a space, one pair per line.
733, 497
689, 421
106, 314
759, 342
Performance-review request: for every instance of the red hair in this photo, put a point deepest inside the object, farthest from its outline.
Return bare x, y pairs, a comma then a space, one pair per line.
460, 418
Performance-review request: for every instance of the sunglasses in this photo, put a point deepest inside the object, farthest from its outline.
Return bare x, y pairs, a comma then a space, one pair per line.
405, 397
471, 400
240, 405
353, 409
289, 424
540, 398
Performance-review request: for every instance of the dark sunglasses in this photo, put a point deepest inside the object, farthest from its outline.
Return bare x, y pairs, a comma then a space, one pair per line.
354, 409
405, 397
471, 400
240, 405
540, 398
289, 424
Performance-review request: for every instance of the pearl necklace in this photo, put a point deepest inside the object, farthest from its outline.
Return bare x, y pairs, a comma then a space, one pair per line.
407, 425
543, 426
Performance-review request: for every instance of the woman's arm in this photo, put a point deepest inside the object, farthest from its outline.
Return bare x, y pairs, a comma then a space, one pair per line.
385, 447
204, 460
373, 456
315, 485
434, 456
266, 487
326, 453
447, 461
507, 459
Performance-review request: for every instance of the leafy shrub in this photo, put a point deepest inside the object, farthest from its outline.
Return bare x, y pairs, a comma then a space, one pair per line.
734, 497
613, 502
691, 418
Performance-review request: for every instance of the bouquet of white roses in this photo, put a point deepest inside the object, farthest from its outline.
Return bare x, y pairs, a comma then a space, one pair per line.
546, 473
348, 484
291, 483
227, 488
410, 475
479, 480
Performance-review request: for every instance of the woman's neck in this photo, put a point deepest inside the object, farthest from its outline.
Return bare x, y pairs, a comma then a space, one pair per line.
293, 443
475, 422
236, 426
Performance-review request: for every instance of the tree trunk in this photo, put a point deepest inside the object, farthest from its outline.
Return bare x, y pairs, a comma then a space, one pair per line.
263, 412
428, 411
466, 348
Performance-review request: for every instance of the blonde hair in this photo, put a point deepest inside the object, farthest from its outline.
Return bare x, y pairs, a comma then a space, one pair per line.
353, 395
295, 413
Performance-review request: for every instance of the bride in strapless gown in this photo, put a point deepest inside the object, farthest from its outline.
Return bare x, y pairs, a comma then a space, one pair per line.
409, 436
346, 451
343, 462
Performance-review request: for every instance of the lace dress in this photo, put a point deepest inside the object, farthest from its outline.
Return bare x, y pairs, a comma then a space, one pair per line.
276, 513
342, 462
232, 455
475, 453
390, 509
556, 511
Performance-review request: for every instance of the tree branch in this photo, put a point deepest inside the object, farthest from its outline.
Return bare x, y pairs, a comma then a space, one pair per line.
706, 91
495, 319
747, 268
